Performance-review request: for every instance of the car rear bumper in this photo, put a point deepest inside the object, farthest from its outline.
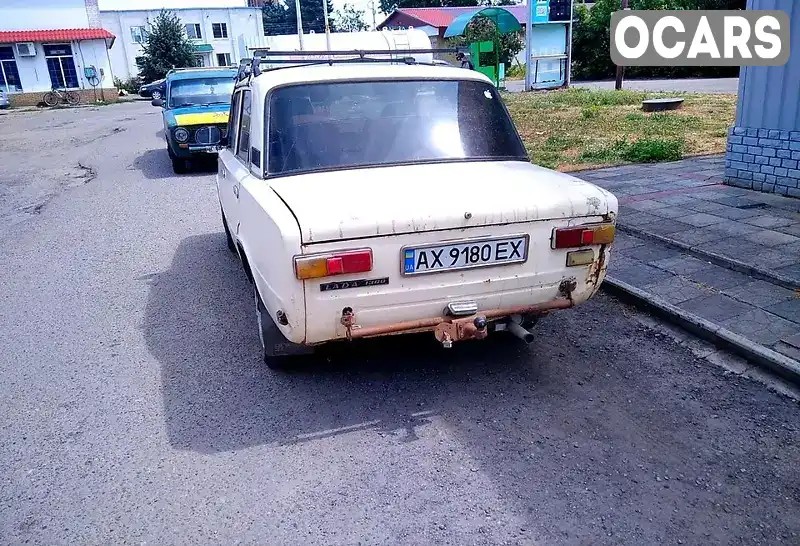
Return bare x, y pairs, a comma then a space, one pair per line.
437, 324
537, 296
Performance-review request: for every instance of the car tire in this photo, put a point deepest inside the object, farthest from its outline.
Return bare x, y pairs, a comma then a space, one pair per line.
156, 94
264, 323
178, 163
228, 236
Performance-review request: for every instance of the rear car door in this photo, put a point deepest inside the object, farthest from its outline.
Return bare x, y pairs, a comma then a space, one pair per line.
231, 170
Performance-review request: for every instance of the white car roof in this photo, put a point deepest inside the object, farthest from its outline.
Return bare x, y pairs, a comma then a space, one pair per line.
360, 71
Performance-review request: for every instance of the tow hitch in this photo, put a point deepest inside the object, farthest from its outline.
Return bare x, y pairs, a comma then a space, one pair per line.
459, 329
450, 329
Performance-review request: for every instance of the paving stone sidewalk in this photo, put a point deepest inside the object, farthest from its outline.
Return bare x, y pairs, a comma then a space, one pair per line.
728, 255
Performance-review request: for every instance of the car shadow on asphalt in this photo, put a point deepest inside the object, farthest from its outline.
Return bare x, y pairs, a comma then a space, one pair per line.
155, 165
608, 426
219, 395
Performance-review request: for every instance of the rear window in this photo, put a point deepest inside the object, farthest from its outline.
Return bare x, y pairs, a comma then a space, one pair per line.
351, 124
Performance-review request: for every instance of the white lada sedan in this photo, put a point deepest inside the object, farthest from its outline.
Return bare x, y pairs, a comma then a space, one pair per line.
373, 199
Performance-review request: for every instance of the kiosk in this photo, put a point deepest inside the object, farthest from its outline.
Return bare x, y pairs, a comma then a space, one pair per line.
548, 44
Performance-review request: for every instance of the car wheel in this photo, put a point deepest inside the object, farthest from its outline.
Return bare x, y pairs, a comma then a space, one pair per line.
265, 324
178, 163
156, 94
228, 237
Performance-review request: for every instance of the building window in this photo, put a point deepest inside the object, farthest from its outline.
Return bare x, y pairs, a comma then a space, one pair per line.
199, 60
220, 30
223, 59
138, 35
9, 75
61, 66
193, 31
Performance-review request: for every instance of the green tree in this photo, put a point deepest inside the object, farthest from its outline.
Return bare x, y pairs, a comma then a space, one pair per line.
166, 47
349, 19
482, 29
280, 18
276, 20
591, 40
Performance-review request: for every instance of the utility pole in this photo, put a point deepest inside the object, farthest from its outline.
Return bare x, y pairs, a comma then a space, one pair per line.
299, 23
568, 75
327, 26
621, 69
371, 7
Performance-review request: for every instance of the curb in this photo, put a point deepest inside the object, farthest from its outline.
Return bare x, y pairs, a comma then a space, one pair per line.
716, 259
777, 363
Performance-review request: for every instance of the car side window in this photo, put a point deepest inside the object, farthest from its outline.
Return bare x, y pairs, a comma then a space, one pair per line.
233, 121
243, 142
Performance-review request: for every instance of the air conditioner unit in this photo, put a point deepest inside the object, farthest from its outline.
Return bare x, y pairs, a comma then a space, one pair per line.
26, 49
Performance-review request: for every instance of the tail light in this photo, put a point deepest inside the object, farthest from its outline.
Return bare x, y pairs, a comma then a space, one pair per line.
600, 234
334, 263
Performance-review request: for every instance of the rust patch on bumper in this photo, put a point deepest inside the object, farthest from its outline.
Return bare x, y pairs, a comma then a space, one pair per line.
598, 266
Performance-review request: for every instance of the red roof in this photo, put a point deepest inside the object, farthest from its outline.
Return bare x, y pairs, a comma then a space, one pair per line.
441, 17
55, 35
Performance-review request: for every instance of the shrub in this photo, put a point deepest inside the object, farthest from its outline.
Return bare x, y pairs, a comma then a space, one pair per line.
648, 150
644, 150
590, 112
515, 71
131, 85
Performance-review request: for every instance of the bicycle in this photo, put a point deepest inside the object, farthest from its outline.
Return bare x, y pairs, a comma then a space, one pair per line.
58, 96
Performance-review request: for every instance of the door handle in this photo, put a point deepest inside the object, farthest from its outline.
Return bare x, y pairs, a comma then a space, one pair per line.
236, 190
224, 173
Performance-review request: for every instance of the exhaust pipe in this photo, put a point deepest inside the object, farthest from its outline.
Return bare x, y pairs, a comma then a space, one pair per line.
519, 331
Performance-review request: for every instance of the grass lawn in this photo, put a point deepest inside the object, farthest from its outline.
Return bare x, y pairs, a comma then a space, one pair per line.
580, 128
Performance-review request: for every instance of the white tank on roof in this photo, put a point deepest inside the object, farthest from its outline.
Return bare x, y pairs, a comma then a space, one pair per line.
383, 40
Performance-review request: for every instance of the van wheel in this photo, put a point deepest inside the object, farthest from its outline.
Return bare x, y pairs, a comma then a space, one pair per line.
266, 333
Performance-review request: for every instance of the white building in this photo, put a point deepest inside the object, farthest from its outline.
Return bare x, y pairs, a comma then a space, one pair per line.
215, 31
54, 43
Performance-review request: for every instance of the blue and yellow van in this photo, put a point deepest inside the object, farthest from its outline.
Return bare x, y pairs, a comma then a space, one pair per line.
196, 105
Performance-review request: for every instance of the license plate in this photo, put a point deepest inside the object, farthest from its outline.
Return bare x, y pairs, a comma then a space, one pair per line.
438, 257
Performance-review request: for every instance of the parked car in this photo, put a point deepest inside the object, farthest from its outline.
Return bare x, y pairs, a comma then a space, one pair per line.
196, 105
153, 89
371, 199
3, 100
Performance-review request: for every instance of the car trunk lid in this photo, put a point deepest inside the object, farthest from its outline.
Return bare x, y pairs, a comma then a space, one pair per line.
383, 201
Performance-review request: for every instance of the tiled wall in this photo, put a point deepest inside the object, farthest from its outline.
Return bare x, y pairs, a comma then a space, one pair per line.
763, 159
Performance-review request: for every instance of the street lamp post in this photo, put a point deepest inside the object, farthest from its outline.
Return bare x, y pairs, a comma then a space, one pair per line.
621, 69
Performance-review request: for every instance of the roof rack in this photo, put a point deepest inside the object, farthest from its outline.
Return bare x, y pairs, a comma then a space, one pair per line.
190, 68
252, 67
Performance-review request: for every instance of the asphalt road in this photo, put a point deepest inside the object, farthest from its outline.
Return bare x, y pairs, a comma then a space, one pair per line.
134, 408
688, 85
